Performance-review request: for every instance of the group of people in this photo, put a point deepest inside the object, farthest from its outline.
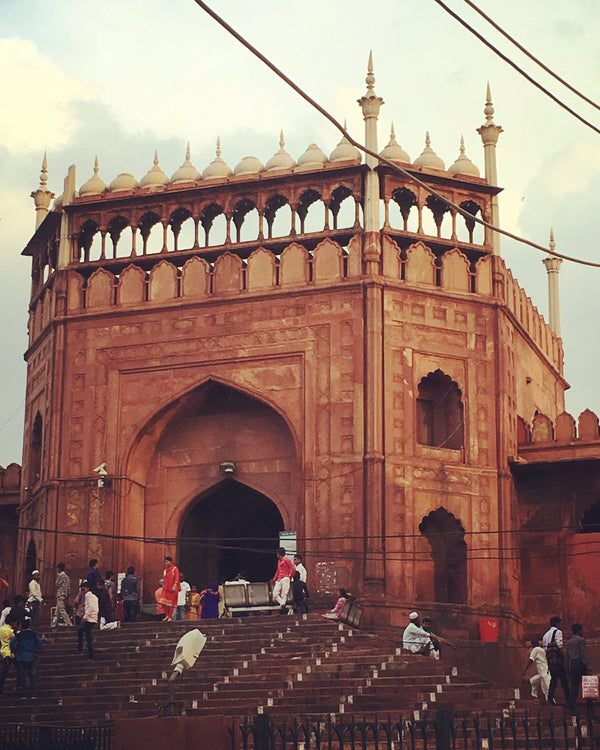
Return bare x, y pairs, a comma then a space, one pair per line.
557, 662
176, 599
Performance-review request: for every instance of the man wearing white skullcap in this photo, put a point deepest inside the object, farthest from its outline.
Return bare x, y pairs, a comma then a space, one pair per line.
415, 639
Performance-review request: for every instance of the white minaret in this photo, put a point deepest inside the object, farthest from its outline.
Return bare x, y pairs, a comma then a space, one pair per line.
553, 264
42, 196
370, 104
489, 133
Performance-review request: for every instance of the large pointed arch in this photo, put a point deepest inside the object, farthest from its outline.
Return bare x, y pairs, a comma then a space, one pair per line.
176, 460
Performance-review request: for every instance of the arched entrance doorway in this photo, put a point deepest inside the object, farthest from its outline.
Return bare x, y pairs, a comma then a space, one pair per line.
231, 528
446, 537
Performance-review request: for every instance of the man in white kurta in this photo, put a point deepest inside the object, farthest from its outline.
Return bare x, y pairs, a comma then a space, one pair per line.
415, 639
537, 657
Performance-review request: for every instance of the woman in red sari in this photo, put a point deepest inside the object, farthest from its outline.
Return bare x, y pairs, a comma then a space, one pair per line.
170, 590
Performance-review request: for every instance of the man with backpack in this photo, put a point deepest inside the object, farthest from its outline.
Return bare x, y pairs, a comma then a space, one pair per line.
552, 643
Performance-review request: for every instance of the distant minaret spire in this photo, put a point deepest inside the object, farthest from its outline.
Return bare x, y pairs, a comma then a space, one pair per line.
553, 265
489, 133
370, 104
42, 196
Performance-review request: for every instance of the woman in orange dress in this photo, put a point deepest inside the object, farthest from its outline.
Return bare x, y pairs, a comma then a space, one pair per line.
170, 590
193, 611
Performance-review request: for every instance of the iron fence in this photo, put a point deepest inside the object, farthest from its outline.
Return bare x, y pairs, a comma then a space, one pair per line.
444, 731
33, 737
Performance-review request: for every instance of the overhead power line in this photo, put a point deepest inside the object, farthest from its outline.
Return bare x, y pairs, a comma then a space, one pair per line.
516, 67
532, 57
381, 159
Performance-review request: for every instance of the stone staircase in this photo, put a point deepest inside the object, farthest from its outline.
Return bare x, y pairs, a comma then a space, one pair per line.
262, 664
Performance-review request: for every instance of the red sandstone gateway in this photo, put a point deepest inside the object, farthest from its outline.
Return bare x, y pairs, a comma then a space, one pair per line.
254, 351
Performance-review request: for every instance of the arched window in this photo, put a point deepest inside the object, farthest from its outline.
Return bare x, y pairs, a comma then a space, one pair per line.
446, 536
440, 414
35, 450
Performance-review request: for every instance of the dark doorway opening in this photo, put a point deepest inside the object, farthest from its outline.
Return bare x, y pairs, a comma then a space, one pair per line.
232, 529
449, 552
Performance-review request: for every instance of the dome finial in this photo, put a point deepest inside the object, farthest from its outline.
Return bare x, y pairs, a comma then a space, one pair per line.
489, 107
281, 139
370, 79
552, 244
44, 173
96, 165
188, 153
218, 146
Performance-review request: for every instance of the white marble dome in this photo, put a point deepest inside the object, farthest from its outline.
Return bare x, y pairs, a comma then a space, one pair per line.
393, 151
281, 160
155, 177
463, 165
217, 169
123, 181
345, 151
312, 158
428, 157
187, 172
94, 186
248, 165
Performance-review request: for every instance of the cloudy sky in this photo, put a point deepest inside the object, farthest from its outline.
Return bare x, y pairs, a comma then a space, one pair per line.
119, 79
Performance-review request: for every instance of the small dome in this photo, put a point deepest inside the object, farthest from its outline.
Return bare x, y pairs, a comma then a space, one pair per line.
463, 165
312, 158
123, 181
281, 160
428, 157
94, 186
345, 151
393, 151
155, 177
187, 172
217, 169
248, 165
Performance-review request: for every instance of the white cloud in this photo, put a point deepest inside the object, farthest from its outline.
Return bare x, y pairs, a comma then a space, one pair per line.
40, 114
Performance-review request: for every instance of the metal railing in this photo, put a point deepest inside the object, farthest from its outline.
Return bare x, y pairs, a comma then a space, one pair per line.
33, 737
443, 731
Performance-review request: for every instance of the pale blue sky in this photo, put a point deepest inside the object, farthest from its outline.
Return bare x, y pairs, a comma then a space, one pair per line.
119, 79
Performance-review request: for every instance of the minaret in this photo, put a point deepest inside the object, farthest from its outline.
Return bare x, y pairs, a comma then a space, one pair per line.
553, 264
42, 196
370, 104
489, 133
374, 461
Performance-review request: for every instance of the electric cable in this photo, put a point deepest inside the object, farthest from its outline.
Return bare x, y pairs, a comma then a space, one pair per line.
531, 56
400, 170
507, 59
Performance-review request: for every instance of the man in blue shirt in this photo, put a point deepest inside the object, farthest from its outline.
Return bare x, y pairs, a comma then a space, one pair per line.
26, 645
